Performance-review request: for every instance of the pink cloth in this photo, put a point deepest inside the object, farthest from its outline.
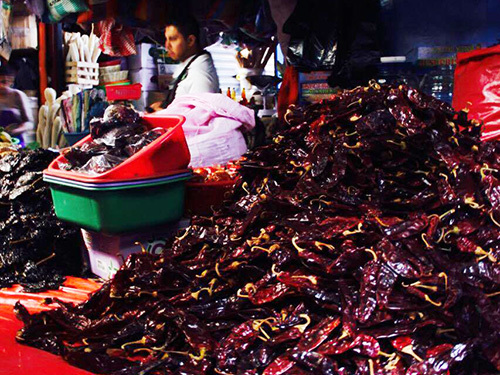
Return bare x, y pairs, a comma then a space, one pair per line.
206, 112
213, 127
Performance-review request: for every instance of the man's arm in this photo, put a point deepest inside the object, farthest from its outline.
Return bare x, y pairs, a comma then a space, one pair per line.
26, 123
16, 129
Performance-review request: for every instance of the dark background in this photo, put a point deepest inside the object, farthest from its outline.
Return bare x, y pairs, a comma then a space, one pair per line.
406, 24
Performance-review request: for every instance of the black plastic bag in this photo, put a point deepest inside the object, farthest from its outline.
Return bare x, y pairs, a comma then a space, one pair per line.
313, 35
336, 35
358, 52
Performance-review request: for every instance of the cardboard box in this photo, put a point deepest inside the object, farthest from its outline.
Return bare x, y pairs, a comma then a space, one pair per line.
148, 98
148, 56
164, 81
108, 253
167, 69
165, 75
147, 77
24, 32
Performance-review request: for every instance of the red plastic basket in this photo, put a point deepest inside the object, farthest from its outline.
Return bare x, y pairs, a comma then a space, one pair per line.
203, 197
124, 92
164, 155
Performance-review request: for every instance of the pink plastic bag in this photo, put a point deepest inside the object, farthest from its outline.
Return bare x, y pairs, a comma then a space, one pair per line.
213, 127
477, 86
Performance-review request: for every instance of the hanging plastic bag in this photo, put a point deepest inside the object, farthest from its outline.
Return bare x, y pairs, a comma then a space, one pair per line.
313, 35
5, 17
36, 7
58, 9
477, 86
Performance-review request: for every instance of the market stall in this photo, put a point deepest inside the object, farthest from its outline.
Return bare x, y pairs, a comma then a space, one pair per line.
332, 209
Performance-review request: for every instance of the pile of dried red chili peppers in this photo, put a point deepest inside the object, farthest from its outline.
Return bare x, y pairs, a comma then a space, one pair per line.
365, 240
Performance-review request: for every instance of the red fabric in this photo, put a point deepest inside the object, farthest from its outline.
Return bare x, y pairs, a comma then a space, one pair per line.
477, 86
115, 39
74, 290
289, 91
86, 16
24, 360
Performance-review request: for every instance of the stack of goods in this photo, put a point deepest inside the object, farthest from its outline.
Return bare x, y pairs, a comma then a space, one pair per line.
116, 178
110, 73
78, 109
365, 240
66, 119
153, 70
81, 59
49, 132
115, 137
36, 249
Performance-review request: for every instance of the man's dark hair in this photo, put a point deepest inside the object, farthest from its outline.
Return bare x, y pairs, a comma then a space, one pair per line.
187, 25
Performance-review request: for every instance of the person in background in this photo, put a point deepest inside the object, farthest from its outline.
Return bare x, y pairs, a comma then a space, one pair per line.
15, 114
196, 72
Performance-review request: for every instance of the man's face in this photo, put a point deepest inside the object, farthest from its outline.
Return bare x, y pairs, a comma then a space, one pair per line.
6, 81
175, 43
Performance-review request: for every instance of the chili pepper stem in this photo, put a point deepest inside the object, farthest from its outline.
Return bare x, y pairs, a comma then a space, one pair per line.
455, 230
302, 327
209, 289
15, 242
417, 284
484, 169
357, 145
143, 249
222, 372
387, 355
373, 253
202, 275
381, 222
184, 235
273, 270
244, 186
141, 341
297, 247
358, 230
424, 236
312, 279
391, 365
445, 276
409, 350
428, 299
217, 270
150, 351
472, 203
372, 367
320, 245
45, 259
200, 356
492, 217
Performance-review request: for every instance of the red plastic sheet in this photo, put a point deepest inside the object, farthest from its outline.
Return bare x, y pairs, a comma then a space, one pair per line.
477, 87
17, 359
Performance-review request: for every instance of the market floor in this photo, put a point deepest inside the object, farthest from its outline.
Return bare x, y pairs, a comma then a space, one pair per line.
17, 359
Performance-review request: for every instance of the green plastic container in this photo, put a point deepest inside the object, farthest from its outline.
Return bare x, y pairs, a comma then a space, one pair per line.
119, 208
